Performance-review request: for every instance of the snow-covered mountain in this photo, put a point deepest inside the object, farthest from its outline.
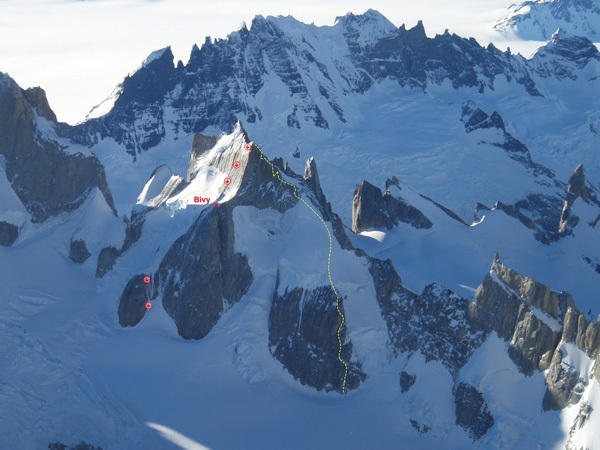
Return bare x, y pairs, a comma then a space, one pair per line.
301, 212
539, 19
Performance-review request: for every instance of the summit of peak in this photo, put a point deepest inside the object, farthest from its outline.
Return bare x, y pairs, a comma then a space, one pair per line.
369, 26
159, 54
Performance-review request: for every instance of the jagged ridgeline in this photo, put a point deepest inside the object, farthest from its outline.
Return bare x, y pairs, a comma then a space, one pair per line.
222, 80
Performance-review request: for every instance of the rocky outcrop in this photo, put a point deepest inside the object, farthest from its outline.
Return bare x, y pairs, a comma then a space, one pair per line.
533, 293
565, 385
576, 188
528, 315
472, 412
8, 233
406, 381
106, 260
517, 214
133, 299
46, 178
78, 252
368, 208
303, 336
448, 211
372, 209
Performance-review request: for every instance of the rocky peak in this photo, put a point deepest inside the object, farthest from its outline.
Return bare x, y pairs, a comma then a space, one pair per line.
563, 55
575, 48
149, 84
372, 209
47, 179
39, 102
311, 177
576, 186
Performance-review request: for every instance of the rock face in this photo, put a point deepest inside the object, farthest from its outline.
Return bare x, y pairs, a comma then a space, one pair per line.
372, 209
311, 178
472, 413
134, 297
522, 311
47, 179
8, 233
201, 276
303, 327
368, 208
565, 384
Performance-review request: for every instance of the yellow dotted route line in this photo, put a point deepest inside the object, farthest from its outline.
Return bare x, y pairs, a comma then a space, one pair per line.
277, 175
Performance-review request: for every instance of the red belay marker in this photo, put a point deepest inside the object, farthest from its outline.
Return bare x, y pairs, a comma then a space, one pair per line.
148, 305
146, 279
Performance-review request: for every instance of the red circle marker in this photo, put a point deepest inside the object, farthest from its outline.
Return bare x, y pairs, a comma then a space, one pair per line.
146, 279
148, 305
247, 146
236, 165
227, 181
216, 205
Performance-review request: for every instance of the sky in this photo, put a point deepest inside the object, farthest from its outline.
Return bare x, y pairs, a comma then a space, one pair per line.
80, 50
